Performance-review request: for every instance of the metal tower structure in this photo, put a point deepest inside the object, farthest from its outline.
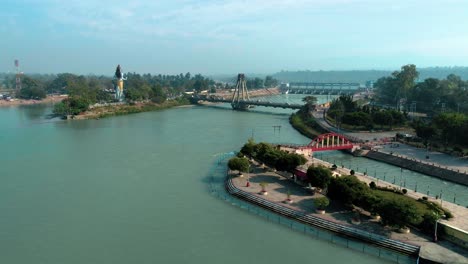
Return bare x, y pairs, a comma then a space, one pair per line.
240, 94
18, 76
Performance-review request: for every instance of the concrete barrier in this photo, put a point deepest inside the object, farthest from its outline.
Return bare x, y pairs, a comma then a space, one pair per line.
455, 235
428, 169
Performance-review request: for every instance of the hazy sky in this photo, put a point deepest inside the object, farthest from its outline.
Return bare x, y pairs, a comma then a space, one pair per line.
212, 37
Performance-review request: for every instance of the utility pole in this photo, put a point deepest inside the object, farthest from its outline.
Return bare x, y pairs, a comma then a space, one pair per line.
18, 77
275, 128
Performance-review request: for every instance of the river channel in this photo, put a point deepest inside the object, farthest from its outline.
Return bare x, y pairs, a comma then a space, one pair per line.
133, 189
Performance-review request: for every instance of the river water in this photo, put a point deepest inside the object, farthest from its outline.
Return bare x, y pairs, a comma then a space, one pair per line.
133, 189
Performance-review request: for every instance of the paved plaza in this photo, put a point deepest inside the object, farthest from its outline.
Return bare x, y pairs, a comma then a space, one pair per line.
279, 184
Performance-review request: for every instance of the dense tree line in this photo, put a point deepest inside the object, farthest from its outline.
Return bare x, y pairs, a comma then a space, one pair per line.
392, 205
346, 111
31, 89
252, 83
86, 90
444, 129
278, 159
430, 96
445, 101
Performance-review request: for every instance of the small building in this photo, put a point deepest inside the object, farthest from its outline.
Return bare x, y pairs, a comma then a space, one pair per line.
301, 173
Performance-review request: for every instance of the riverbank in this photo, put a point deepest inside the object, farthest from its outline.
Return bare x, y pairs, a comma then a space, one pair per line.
307, 126
128, 108
47, 100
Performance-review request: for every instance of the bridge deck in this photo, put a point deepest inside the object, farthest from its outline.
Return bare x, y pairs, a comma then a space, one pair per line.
252, 102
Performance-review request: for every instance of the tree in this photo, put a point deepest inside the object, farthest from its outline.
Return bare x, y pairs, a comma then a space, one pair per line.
73, 105
31, 89
399, 212
319, 176
270, 81
321, 203
348, 189
406, 79
63, 81
383, 118
390, 90
239, 164
310, 102
249, 148
289, 161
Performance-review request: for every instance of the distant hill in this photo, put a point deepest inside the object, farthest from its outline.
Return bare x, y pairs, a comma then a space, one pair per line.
364, 75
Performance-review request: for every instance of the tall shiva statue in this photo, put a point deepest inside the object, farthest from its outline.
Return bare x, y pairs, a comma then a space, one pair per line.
120, 84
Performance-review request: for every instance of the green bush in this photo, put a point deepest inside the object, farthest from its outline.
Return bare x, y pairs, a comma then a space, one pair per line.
319, 176
272, 156
240, 164
321, 203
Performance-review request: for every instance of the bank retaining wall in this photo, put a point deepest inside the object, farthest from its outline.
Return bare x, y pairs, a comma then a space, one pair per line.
376, 240
425, 168
455, 235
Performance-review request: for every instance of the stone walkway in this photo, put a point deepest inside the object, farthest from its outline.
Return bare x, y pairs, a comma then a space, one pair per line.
278, 186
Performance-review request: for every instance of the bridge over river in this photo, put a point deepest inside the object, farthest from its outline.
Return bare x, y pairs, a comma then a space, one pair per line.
246, 104
321, 88
240, 99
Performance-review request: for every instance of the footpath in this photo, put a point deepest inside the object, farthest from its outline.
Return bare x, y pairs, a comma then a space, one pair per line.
280, 184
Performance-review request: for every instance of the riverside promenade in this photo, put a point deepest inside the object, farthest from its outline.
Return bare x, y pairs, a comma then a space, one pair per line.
280, 183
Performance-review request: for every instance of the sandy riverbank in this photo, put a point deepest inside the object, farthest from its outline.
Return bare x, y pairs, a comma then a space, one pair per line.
48, 99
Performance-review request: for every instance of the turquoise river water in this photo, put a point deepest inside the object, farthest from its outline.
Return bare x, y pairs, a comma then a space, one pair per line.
133, 189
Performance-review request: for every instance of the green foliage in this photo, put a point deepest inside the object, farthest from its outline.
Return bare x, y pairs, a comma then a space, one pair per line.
274, 157
399, 212
305, 124
398, 86
358, 119
249, 148
239, 164
321, 203
31, 89
319, 176
62, 83
255, 83
396, 209
372, 185
73, 105
270, 82
447, 128
348, 189
431, 96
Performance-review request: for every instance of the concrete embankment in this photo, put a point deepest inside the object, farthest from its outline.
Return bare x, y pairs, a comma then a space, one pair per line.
414, 165
308, 219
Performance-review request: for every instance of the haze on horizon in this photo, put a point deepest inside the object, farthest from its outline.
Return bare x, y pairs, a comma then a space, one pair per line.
228, 36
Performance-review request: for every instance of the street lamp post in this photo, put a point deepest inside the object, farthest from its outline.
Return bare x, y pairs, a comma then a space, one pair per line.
435, 228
